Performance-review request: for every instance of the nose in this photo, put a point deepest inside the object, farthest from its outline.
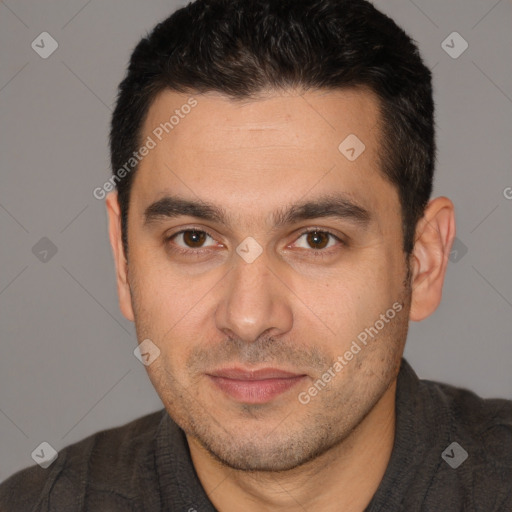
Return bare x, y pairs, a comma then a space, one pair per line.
255, 300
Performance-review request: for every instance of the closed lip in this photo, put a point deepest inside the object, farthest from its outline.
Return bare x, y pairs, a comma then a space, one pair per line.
259, 374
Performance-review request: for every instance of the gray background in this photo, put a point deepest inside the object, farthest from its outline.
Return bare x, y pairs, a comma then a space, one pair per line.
67, 367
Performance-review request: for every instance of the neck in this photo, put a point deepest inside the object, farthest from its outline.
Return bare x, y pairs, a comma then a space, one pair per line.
344, 478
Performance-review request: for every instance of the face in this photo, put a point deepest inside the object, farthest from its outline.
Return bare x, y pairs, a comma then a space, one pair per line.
266, 265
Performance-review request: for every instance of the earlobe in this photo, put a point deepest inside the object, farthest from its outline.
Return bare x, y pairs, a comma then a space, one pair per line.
434, 238
114, 230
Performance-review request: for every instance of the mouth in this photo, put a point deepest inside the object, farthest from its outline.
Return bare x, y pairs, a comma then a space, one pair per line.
254, 386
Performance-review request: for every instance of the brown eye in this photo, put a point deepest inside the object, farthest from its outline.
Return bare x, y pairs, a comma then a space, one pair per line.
190, 239
194, 239
317, 239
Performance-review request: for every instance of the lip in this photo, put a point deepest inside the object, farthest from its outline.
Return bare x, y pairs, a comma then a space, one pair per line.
254, 386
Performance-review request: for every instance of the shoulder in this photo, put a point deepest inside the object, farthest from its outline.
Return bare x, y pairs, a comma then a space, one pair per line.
104, 464
487, 422
477, 458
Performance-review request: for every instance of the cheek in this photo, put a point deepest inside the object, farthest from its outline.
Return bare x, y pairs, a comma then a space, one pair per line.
169, 310
348, 299
158, 292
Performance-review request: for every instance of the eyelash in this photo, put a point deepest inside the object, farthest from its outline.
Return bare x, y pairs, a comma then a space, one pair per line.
198, 252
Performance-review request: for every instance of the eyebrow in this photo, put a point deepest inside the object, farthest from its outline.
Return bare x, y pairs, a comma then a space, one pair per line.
332, 205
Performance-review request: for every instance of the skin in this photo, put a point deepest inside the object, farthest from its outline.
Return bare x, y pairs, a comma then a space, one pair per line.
288, 309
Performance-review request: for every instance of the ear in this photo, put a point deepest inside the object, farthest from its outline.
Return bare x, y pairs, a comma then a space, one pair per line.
114, 231
434, 238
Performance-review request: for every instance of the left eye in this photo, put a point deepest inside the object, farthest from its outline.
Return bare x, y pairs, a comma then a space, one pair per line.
193, 239
318, 240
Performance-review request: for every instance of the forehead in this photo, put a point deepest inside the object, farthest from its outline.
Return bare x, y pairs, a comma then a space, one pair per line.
307, 121
266, 151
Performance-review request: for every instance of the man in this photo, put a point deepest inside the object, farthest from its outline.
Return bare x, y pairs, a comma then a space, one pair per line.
273, 236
